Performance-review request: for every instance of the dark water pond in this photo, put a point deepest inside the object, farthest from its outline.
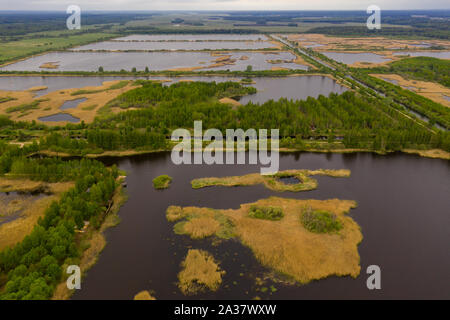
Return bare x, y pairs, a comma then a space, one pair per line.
351, 58
289, 180
155, 61
403, 210
72, 104
60, 117
300, 87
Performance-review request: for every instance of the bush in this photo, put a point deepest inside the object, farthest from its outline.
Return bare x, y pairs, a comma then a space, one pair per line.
320, 221
266, 213
162, 182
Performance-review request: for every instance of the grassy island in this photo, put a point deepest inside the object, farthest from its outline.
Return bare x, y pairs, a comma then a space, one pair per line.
144, 295
162, 182
272, 182
285, 244
200, 272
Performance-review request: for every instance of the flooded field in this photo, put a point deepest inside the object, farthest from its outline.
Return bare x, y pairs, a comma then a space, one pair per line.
432, 54
298, 87
351, 58
156, 61
194, 37
402, 197
13, 204
175, 45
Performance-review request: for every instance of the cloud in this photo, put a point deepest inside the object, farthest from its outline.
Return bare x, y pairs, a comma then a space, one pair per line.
222, 4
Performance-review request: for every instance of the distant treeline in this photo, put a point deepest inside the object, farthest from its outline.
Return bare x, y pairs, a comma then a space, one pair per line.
363, 31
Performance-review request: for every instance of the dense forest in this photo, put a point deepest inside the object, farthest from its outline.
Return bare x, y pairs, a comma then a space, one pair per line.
151, 112
438, 30
434, 111
32, 268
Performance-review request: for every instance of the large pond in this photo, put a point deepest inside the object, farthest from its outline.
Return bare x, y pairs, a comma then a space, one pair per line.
194, 37
351, 58
155, 61
403, 211
300, 87
175, 45
433, 54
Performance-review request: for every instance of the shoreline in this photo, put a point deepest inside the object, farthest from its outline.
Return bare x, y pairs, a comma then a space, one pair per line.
429, 153
97, 242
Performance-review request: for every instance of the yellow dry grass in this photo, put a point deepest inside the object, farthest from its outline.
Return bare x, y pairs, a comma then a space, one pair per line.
38, 88
430, 90
271, 181
230, 101
434, 153
379, 45
52, 101
354, 44
14, 231
202, 227
199, 272
144, 295
288, 248
49, 65
278, 69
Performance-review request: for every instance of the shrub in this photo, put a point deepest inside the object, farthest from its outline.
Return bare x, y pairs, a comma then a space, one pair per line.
266, 213
320, 221
162, 182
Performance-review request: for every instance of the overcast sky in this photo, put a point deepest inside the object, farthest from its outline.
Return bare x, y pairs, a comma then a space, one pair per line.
222, 4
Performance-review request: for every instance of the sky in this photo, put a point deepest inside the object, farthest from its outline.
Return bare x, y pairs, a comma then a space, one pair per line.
222, 4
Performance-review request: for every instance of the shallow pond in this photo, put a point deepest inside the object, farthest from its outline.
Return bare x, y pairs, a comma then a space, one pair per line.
433, 54
59, 117
296, 88
403, 207
193, 37
300, 87
155, 61
351, 58
72, 104
175, 45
